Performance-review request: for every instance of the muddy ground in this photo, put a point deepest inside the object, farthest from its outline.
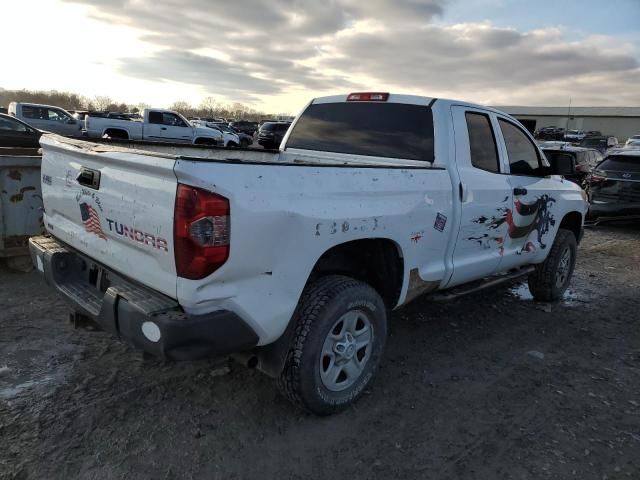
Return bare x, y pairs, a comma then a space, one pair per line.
492, 386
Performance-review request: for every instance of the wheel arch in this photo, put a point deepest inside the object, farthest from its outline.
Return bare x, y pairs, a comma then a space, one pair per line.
572, 221
116, 132
205, 141
379, 262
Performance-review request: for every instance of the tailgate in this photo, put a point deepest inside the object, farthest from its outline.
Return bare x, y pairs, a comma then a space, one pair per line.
116, 207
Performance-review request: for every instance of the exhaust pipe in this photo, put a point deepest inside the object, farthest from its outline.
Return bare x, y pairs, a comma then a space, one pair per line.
247, 359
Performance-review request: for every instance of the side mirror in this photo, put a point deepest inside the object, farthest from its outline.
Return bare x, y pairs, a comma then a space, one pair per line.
72, 121
562, 165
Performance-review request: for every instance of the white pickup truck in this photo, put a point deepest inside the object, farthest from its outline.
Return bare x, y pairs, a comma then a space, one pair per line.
295, 257
159, 126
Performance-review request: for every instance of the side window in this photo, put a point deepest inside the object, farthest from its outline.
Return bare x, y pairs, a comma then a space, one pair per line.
172, 119
155, 117
482, 143
523, 155
34, 113
9, 125
57, 115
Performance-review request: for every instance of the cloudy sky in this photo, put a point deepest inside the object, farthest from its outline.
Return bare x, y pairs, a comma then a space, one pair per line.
276, 54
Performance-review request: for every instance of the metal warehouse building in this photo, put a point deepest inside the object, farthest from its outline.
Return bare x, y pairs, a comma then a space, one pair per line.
621, 122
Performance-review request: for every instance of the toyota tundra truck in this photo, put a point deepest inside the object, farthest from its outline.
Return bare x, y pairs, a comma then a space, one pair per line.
292, 259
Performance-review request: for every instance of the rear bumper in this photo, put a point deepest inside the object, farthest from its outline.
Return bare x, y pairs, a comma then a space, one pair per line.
611, 209
142, 317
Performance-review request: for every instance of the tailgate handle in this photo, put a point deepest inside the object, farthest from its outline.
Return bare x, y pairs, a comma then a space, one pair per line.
89, 178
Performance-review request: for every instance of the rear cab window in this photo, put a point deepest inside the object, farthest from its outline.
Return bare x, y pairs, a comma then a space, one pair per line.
34, 113
390, 130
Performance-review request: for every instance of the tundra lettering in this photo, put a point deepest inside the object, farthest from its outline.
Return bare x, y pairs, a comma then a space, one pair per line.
137, 235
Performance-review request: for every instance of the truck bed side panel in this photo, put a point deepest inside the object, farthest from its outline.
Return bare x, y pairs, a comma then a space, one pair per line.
283, 218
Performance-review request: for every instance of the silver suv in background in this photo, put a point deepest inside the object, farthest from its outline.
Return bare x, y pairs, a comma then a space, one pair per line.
47, 118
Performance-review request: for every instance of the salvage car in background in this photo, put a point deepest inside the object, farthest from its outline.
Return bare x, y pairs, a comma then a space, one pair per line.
271, 134
244, 139
47, 118
600, 143
615, 186
155, 125
574, 136
231, 137
582, 159
244, 126
550, 133
633, 141
16, 133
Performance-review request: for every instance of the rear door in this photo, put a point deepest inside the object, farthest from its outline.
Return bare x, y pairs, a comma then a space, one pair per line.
117, 208
167, 127
532, 222
485, 194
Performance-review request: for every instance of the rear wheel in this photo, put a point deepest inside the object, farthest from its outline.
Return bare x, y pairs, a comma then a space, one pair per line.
550, 279
244, 143
341, 329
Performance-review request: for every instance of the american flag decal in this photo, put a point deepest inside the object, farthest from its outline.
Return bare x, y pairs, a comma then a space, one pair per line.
91, 220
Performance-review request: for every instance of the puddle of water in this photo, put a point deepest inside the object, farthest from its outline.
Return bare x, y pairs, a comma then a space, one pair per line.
570, 298
16, 390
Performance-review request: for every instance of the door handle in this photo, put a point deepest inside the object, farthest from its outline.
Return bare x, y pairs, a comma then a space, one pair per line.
520, 191
163, 128
464, 192
89, 178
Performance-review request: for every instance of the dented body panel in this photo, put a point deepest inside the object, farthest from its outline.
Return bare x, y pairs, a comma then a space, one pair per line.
20, 200
288, 208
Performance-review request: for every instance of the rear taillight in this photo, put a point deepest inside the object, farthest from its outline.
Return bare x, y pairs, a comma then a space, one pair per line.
368, 97
201, 231
598, 177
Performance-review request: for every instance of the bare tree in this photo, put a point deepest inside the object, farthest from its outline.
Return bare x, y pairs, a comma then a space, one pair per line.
209, 107
185, 108
102, 103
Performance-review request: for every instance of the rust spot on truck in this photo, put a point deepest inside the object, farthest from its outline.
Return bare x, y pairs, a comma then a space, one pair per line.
18, 197
14, 175
418, 287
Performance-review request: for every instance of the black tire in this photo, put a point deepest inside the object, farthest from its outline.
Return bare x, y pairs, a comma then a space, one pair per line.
232, 145
244, 143
551, 278
323, 303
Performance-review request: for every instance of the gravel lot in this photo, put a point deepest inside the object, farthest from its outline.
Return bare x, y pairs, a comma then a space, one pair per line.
492, 386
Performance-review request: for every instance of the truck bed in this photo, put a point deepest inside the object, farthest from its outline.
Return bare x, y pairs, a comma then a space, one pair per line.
204, 153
